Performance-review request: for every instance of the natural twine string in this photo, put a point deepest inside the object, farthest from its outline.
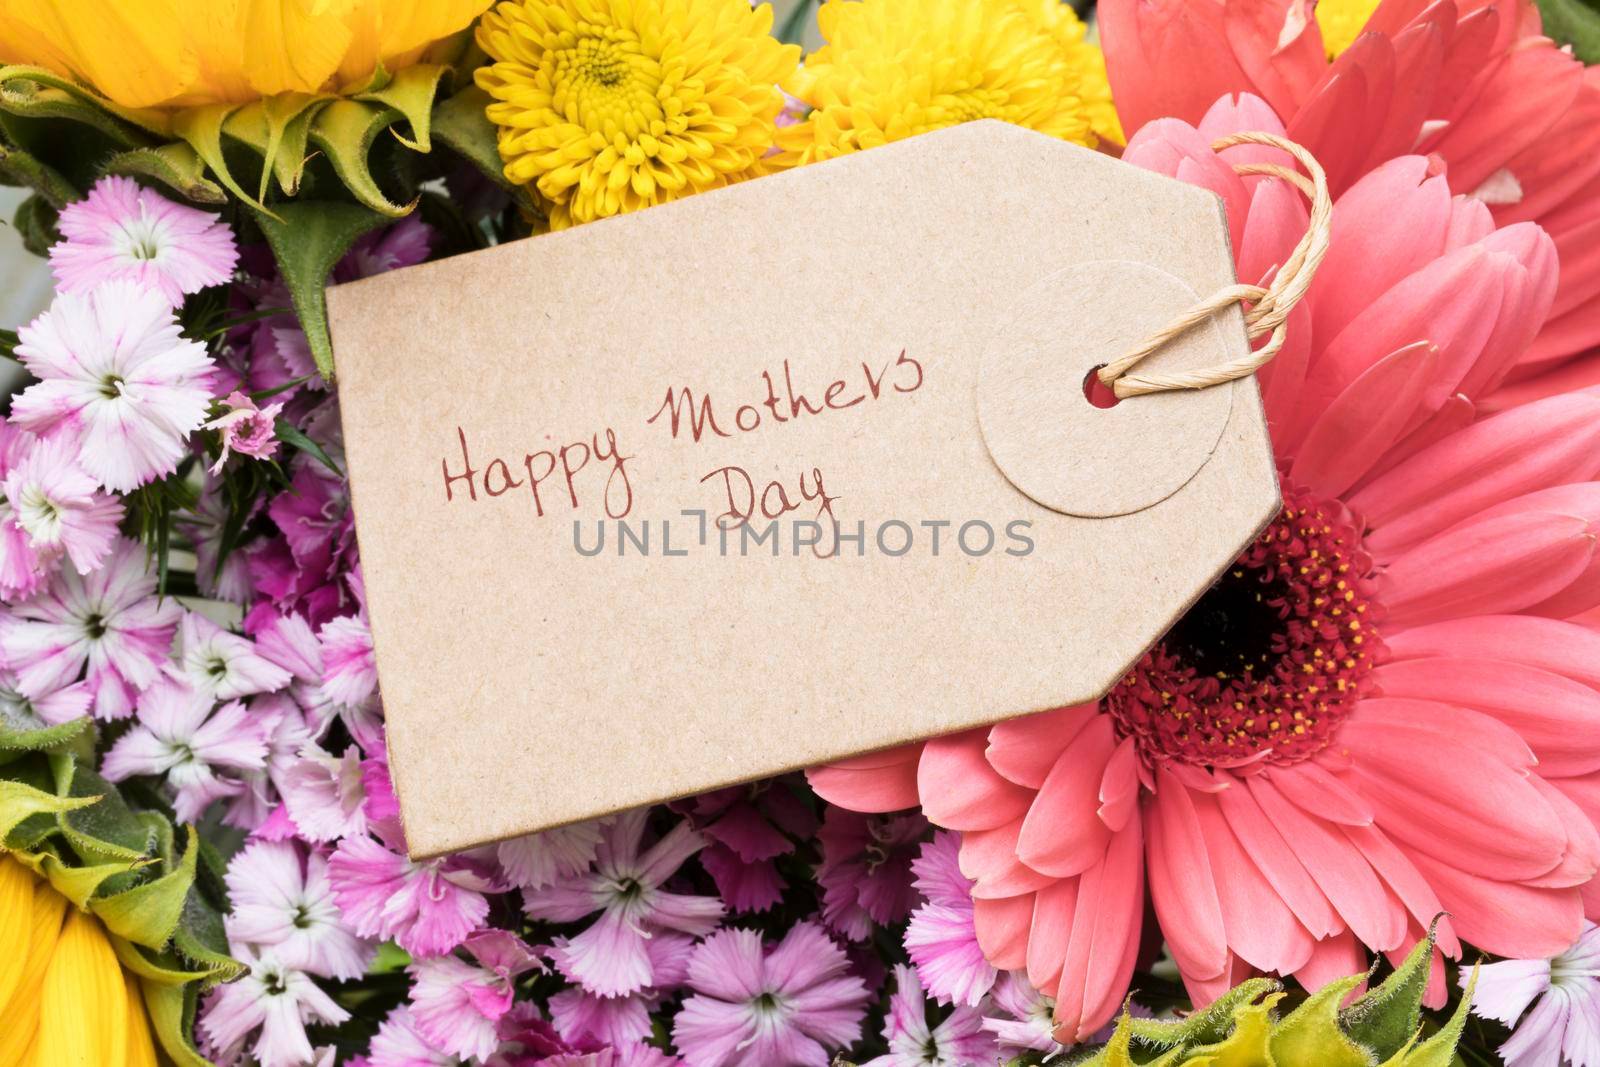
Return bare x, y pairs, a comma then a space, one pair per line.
1269, 305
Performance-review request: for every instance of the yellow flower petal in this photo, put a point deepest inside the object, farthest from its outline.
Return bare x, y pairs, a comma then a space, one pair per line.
141, 1045
133, 51
176, 54
16, 926
83, 1004
608, 106
19, 1019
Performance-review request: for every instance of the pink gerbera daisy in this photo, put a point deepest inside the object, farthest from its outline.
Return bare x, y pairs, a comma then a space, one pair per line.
109, 626
121, 230
117, 379
784, 1006
1378, 713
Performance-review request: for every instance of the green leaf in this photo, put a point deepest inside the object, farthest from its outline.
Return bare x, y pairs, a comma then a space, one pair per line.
345, 131
793, 30
177, 166
1576, 23
307, 238
148, 914
411, 93
172, 1010
1387, 1017
291, 436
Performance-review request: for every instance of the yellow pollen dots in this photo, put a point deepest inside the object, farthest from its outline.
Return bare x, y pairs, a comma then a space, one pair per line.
1268, 664
608, 106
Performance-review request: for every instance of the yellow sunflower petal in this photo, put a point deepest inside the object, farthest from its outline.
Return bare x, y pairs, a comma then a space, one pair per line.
141, 1045
296, 45
16, 926
19, 1019
83, 1004
133, 51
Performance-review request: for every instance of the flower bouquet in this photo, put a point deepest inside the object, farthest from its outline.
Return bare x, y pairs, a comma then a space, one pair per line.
1344, 813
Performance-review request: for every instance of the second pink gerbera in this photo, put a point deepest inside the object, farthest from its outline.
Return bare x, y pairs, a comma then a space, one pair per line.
1379, 713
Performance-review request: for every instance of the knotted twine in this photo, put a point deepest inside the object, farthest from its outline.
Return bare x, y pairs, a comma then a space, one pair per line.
1268, 313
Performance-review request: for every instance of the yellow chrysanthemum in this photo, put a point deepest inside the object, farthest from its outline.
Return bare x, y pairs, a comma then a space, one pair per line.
1342, 21
608, 106
1094, 86
168, 54
64, 998
895, 68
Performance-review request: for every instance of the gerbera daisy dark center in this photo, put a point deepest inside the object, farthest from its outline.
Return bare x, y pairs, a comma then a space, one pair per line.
1270, 660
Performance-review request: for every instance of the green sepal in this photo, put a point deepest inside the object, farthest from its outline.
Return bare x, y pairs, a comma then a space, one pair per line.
1208, 1026
77, 884
148, 914
411, 92
167, 968
149, 120
172, 1012
1250, 1041
20, 168
1440, 1049
202, 940
177, 166
308, 237
46, 103
19, 801
107, 832
345, 131
1387, 1017
460, 124
37, 739
202, 128
1576, 23
277, 127
35, 221
1311, 1033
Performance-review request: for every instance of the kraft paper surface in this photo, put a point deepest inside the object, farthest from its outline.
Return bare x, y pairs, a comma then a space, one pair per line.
896, 342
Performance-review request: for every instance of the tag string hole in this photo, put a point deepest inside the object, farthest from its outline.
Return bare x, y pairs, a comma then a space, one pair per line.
1266, 307
1097, 392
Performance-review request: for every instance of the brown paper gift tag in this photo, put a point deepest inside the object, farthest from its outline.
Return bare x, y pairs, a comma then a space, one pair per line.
896, 339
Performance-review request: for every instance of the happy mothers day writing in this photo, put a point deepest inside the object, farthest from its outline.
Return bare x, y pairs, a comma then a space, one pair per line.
594, 472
